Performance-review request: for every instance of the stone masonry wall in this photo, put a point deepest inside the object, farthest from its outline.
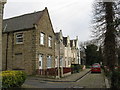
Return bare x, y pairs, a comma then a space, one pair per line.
25, 56
19, 56
44, 25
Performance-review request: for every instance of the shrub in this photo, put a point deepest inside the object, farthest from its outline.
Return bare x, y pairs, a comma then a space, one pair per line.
76, 68
88, 66
12, 79
81, 67
115, 74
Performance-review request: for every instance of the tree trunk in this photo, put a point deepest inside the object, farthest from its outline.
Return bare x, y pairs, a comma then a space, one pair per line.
110, 41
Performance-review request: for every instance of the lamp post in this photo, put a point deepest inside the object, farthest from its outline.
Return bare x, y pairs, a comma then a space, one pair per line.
59, 61
2, 2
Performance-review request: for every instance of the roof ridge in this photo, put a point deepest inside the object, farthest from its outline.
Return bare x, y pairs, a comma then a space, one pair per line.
24, 21
23, 15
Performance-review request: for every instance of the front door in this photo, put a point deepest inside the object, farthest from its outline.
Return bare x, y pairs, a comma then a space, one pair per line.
40, 61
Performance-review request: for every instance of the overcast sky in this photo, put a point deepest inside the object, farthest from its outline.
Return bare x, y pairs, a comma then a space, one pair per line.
73, 17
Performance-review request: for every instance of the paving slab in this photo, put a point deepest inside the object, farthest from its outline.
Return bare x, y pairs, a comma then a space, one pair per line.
70, 78
91, 80
74, 77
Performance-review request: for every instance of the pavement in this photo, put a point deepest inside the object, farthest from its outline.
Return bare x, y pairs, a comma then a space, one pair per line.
107, 82
40, 82
74, 77
71, 78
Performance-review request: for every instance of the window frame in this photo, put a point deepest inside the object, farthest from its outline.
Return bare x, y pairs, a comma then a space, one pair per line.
40, 67
42, 38
56, 61
49, 41
61, 61
17, 38
49, 61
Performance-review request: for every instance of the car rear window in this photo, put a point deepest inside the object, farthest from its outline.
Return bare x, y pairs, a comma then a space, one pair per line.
96, 66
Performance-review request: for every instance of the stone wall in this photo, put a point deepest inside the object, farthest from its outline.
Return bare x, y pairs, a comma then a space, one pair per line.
25, 56
45, 26
19, 56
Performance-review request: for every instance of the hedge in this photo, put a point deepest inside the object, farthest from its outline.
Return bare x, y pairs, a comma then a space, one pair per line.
76, 68
12, 79
116, 74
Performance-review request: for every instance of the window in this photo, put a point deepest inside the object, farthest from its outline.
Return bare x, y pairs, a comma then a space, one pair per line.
40, 60
68, 62
19, 38
42, 35
49, 41
96, 66
65, 64
49, 61
61, 61
56, 61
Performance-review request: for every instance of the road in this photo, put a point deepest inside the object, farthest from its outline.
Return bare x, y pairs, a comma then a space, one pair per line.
48, 84
91, 80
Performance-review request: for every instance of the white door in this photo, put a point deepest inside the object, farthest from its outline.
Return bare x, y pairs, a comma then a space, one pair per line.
40, 61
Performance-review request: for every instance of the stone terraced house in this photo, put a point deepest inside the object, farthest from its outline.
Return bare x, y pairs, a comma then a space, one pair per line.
72, 54
75, 51
29, 44
60, 56
68, 53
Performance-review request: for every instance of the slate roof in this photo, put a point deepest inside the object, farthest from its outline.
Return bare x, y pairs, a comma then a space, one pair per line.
22, 22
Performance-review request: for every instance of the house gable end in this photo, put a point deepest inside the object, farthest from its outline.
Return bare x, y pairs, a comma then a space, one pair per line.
45, 18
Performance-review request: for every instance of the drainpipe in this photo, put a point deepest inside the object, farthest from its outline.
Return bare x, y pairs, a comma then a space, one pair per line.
59, 62
12, 48
2, 2
6, 52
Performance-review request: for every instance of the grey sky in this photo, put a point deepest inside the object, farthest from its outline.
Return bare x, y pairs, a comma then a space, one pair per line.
71, 16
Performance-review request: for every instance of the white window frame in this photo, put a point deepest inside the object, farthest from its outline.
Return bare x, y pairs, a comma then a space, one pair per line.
49, 41
56, 61
40, 61
42, 38
61, 61
18, 37
49, 61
